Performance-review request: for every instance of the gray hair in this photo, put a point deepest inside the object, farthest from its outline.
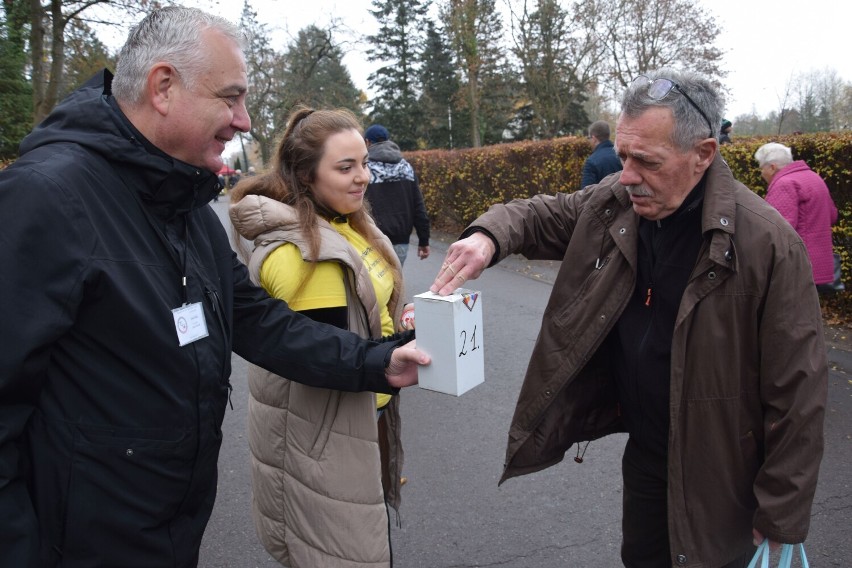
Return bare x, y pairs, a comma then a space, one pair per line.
600, 130
773, 153
690, 126
173, 35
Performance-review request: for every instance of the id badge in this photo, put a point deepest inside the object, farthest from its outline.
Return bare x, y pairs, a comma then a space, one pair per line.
189, 323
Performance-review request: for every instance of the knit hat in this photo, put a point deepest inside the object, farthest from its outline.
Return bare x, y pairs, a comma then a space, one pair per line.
726, 124
376, 133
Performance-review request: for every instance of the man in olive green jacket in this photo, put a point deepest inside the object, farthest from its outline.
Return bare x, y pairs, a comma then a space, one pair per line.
683, 314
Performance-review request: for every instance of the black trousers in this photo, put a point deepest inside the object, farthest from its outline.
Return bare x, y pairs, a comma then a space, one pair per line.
644, 523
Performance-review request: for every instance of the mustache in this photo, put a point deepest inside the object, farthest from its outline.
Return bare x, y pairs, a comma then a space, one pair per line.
637, 191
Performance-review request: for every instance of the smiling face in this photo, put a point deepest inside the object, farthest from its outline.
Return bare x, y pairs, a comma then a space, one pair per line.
341, 176
658, 175
202, 119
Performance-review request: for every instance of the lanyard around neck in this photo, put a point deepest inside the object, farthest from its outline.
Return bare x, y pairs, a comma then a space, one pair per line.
174, 254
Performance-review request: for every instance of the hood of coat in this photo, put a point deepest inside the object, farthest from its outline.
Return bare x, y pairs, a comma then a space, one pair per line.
386, 151
254, 215
90, 117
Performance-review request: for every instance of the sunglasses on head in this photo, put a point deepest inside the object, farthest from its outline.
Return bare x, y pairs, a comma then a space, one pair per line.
659, 88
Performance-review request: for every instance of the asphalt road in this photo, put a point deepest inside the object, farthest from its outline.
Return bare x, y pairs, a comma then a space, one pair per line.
453, 514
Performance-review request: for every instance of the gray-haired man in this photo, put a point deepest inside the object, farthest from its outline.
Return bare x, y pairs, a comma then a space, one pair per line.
122, 303
685, 315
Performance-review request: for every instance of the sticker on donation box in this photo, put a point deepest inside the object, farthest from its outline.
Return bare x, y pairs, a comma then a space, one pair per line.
189, 323
449, 330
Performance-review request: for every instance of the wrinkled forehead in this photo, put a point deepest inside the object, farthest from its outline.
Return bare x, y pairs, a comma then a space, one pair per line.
649, 132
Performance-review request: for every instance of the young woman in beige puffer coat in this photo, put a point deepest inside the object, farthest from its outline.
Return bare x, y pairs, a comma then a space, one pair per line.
320, 456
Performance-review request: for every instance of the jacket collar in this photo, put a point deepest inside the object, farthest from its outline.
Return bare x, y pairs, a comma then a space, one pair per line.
719, 205
167, 185
718, 215
718, 220
603, 145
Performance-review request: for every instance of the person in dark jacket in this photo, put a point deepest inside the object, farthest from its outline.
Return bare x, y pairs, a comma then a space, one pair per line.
396, 202
725, 132
685, 315
123, 301
602, 160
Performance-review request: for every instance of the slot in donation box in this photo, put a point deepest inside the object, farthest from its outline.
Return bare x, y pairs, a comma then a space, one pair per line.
449, 329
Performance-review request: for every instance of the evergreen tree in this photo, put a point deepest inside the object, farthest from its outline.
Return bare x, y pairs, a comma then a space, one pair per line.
474, 28
501, 93
808, 113
440, 126
397, 46
16, 102
315, 74
542, 46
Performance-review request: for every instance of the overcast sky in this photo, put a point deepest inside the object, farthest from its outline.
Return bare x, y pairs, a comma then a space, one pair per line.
765, 41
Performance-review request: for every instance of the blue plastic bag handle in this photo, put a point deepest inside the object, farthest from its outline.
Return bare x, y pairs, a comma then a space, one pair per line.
786, 560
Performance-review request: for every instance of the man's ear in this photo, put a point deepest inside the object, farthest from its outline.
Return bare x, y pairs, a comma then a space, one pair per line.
706, 150
162, 79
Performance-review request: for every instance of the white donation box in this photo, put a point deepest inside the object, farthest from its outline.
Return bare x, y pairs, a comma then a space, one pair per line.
449, 330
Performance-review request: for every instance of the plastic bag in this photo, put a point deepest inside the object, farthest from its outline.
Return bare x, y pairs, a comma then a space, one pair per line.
786, 560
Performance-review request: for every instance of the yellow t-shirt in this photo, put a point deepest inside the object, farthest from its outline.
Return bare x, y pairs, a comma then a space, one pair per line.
284, 269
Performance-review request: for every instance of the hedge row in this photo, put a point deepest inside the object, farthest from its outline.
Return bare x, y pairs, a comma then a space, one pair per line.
460, 185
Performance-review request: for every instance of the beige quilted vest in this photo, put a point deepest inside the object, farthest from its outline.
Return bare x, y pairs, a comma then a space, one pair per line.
316, 477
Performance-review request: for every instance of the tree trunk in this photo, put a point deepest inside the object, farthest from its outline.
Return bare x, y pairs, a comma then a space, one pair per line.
57, 64
37, 51
473, 93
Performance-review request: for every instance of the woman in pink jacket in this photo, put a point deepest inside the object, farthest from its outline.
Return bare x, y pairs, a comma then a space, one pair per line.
802, 198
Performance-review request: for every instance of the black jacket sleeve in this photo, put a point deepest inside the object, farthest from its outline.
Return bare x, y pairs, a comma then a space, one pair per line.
271, 335
421, 218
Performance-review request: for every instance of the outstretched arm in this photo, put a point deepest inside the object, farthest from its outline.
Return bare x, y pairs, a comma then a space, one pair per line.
465, 260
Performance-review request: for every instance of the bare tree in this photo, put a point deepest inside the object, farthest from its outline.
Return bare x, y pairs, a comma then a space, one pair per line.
823, 88
817, 100
265, 103
309, 71
49, 26
85, 55
784, 100
642, 35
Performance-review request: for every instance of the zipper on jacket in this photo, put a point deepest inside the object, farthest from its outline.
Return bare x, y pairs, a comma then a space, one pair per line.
599, 263
213, 296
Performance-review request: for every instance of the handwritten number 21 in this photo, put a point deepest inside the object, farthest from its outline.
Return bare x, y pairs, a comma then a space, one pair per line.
474, 346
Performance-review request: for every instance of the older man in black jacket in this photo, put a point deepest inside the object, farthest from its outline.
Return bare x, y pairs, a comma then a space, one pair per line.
122, 303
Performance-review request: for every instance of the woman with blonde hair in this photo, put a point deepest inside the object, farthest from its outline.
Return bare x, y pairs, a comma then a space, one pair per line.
324, 469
